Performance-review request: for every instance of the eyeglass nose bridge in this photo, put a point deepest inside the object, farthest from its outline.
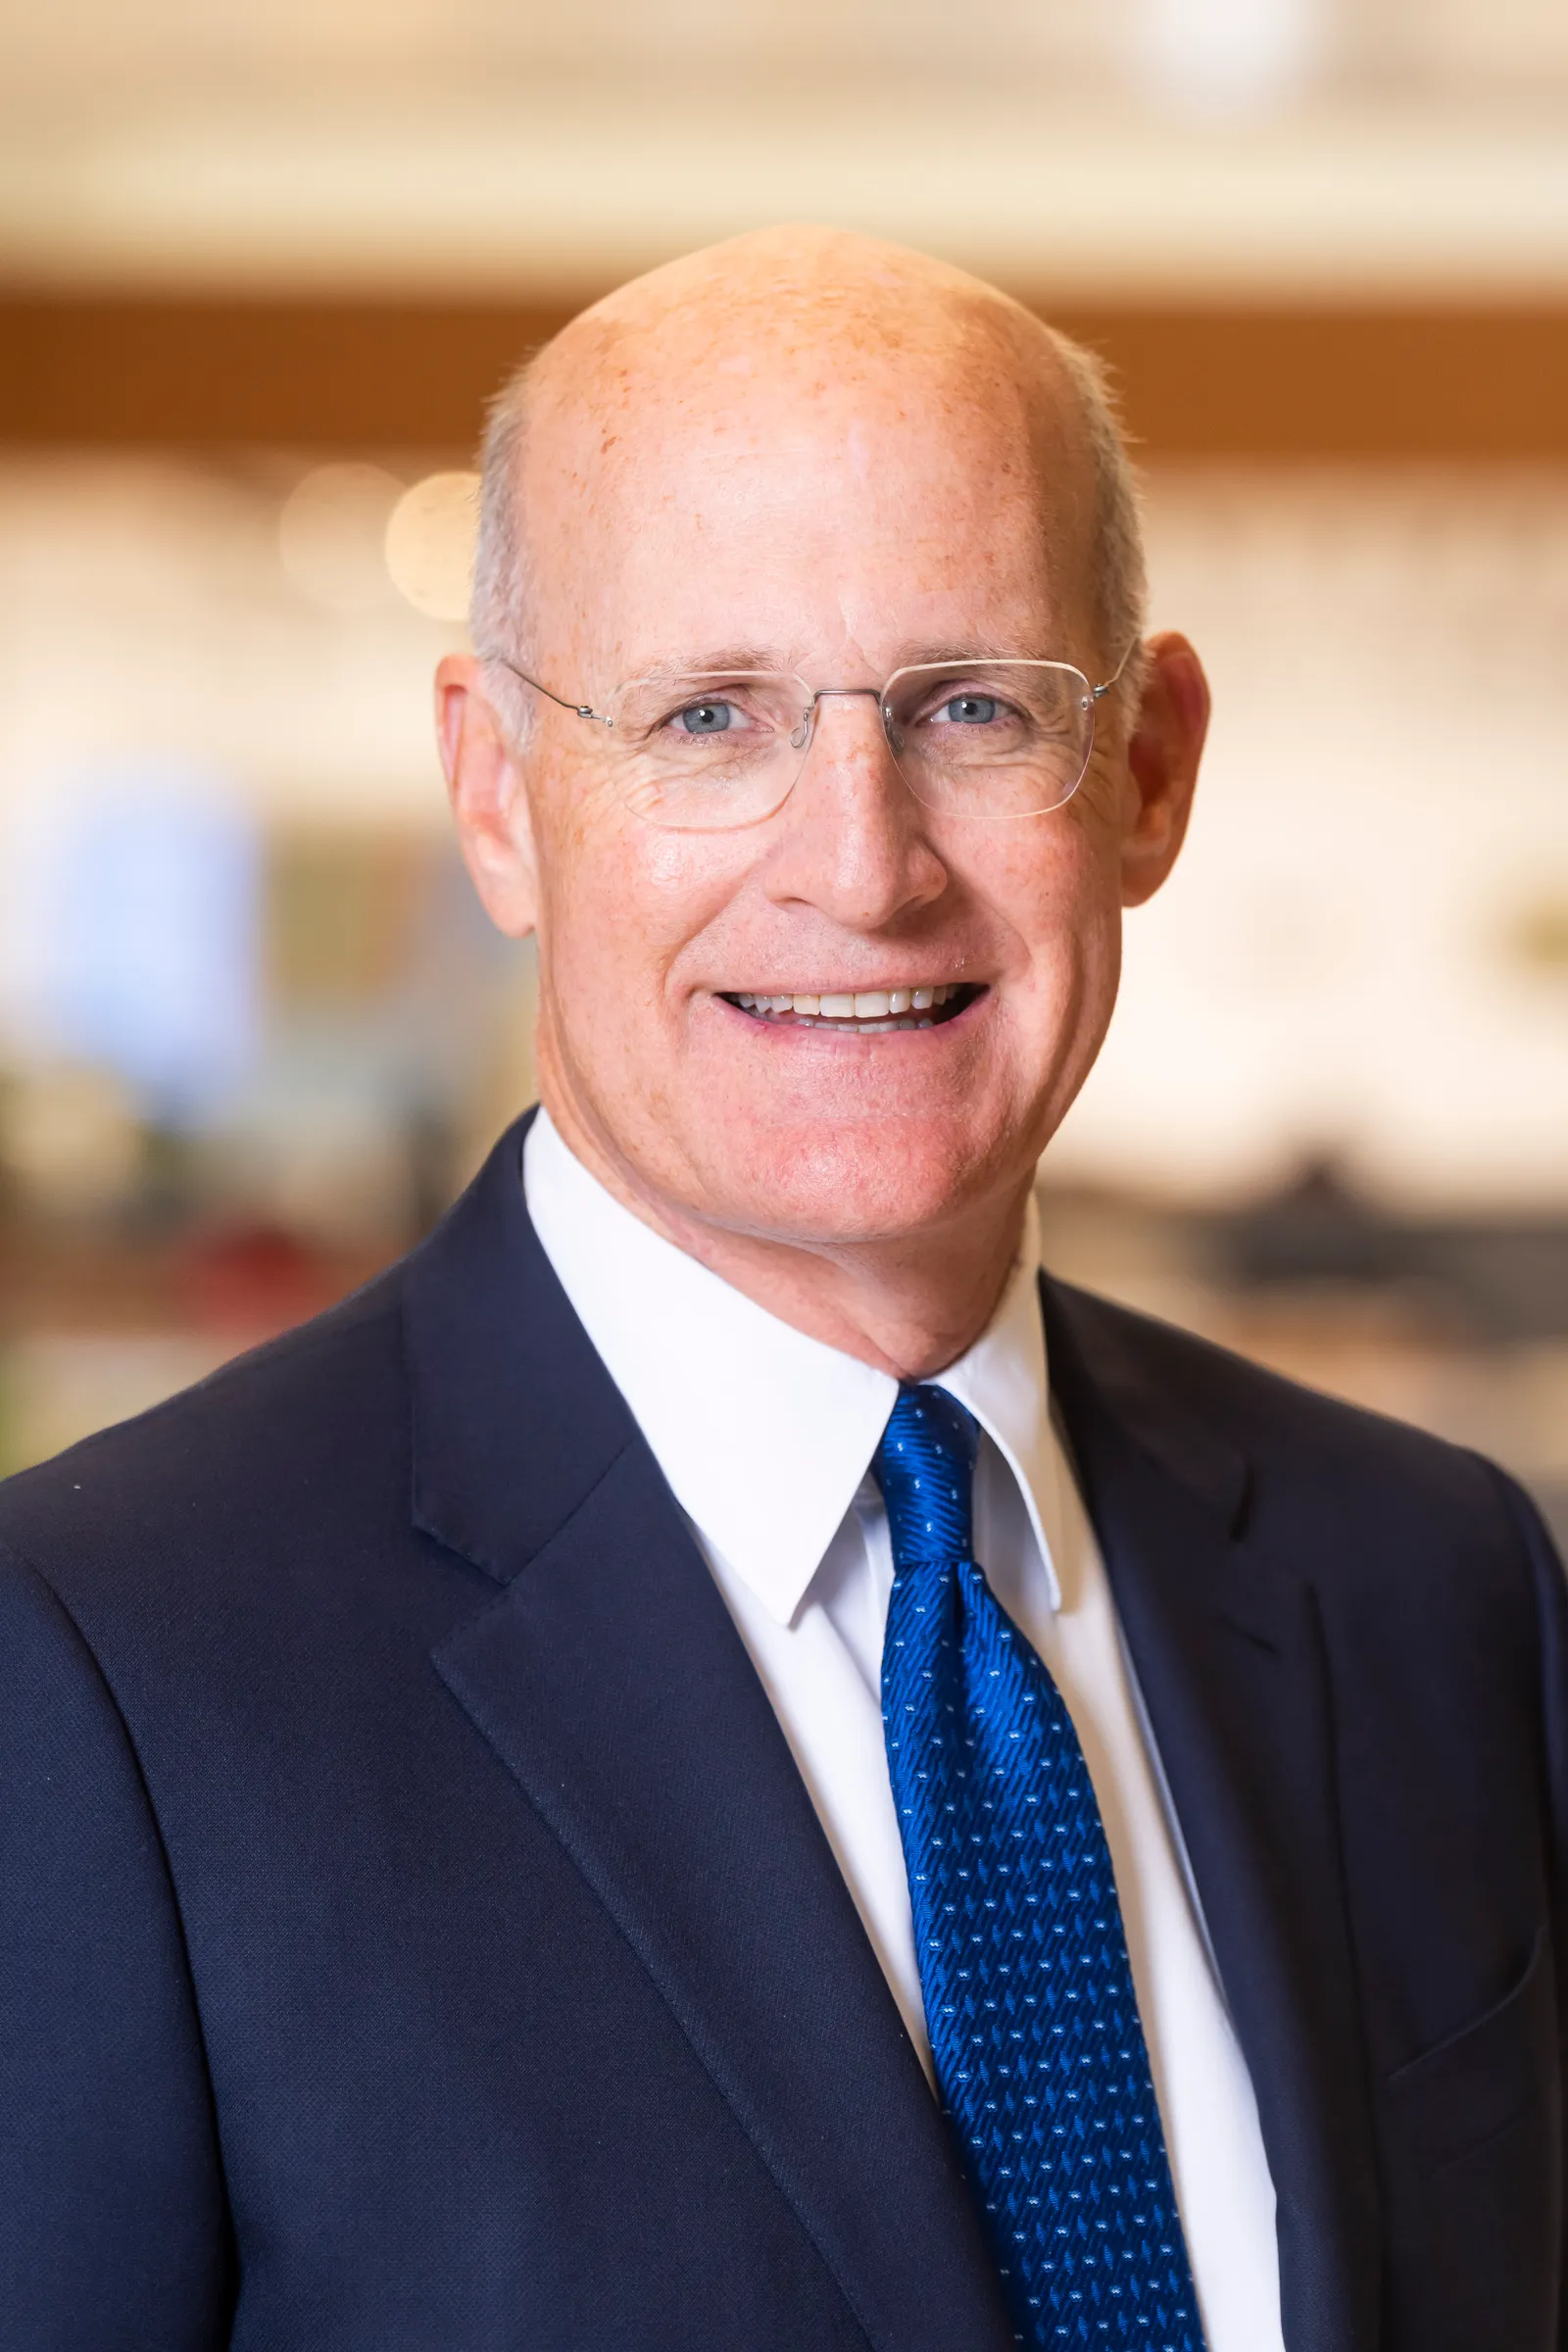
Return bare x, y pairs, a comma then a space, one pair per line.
801, 735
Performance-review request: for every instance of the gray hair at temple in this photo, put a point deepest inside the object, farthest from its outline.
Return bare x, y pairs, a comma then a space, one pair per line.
500, 607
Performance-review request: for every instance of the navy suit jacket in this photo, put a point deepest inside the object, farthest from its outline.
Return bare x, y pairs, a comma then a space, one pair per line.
416, 1937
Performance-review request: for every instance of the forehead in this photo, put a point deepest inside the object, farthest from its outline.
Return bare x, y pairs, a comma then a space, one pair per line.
794, 481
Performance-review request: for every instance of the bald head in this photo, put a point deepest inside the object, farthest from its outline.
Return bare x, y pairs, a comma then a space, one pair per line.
780, 323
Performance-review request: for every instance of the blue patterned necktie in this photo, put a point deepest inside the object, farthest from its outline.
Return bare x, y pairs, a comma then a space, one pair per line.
1038, 2051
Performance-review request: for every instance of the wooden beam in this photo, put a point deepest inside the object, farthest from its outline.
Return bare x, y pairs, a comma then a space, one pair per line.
190, 373
78, 373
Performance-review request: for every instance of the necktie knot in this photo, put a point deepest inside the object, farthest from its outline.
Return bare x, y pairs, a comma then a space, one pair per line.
924, 1466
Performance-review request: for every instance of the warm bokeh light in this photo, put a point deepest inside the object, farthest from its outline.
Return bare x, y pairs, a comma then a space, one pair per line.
429, 544
1224, 58
330, 535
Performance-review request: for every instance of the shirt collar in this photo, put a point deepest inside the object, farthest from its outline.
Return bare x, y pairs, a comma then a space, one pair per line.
762, 1433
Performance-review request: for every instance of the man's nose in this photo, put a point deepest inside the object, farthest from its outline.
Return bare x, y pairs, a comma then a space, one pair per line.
853, 844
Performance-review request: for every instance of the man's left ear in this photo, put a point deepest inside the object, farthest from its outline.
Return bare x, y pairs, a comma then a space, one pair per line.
1164, 745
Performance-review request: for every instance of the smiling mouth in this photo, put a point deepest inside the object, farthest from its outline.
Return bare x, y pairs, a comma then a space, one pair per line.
867, 1013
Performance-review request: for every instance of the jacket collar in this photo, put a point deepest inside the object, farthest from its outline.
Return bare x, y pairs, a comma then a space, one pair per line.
514, 1418
1227, 1649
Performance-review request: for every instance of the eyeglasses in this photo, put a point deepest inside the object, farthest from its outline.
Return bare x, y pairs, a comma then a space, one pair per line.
704, 750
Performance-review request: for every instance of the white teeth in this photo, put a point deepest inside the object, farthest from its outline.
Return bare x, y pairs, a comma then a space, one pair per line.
882, 1006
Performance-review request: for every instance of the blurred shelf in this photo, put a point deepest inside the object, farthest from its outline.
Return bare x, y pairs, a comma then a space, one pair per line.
545, 186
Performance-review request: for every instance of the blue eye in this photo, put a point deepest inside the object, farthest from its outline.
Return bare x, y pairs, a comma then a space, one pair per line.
971, 710
705, 718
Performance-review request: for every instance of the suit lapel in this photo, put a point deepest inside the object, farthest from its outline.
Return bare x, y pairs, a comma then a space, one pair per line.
1228, 1652
609, 1677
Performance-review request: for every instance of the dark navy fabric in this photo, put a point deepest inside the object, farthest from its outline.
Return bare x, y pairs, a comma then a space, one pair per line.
418, 1936
1034, 2034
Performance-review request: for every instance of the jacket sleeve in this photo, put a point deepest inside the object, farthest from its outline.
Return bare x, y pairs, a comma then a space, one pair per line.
114, 2230
1552, 1607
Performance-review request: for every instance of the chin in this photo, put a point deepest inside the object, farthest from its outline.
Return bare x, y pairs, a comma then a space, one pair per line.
858, 1181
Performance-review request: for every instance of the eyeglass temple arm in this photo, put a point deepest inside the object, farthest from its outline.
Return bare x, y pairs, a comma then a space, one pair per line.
1099, 692
579, 710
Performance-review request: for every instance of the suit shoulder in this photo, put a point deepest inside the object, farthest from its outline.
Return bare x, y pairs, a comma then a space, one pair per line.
253, 1437
1303, 1441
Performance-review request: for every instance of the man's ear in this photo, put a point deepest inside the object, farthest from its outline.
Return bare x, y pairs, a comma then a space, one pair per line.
1164, 745
488, 802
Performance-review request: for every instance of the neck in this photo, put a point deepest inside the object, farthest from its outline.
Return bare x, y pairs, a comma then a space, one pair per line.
908, 1306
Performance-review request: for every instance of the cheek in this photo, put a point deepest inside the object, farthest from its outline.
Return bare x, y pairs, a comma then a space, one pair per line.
1057, 897
619, 903
1053, 886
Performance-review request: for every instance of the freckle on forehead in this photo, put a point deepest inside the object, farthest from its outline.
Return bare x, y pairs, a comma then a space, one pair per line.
780, 337
833, 308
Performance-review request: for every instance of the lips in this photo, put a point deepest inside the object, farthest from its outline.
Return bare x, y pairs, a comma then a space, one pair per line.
859, 1012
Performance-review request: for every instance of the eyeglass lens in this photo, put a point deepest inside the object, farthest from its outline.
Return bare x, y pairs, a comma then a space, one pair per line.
986, 739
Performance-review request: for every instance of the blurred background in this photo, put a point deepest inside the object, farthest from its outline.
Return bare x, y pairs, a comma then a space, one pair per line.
258, 269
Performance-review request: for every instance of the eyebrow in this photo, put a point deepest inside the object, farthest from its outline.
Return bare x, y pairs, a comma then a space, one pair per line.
972, 649
725, 661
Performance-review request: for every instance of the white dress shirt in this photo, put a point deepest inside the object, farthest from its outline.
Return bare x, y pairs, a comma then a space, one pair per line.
765, 1438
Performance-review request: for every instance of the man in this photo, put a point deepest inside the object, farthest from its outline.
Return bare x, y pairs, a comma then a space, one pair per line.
715, 1761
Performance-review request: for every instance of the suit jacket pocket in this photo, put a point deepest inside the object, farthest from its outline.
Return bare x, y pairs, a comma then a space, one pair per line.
1472, 2085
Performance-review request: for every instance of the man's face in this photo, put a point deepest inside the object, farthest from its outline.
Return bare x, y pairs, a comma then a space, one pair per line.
837, 520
